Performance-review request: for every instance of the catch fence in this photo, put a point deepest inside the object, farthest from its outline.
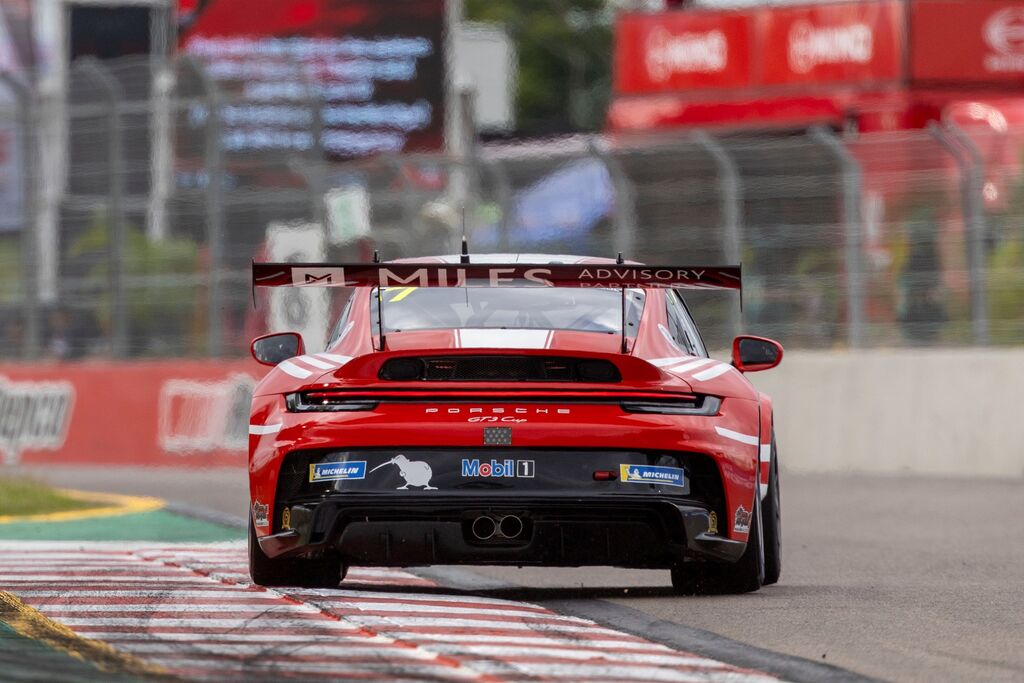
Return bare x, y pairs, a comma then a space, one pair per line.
135, 241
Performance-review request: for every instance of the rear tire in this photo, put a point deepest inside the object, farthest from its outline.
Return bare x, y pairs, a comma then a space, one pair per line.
713, 578
772, 515
323, 572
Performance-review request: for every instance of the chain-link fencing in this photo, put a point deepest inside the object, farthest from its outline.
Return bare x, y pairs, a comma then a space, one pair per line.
171, 185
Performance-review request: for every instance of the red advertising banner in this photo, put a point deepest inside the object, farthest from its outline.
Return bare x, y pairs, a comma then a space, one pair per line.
682, 51
162, 413
981, 41
858, 42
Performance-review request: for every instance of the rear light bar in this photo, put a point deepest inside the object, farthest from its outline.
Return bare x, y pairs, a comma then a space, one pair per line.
632, 402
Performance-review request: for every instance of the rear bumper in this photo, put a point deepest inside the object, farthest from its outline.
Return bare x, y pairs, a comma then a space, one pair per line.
391, 530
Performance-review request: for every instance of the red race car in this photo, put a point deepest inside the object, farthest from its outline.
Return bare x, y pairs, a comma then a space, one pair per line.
512, 410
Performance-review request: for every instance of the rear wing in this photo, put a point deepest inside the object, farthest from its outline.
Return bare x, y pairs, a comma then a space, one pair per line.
614, 276
621, 276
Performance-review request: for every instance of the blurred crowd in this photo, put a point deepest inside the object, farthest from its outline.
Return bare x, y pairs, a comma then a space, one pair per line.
67, 334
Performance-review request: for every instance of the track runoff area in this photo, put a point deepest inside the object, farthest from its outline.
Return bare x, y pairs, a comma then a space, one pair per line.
187, 611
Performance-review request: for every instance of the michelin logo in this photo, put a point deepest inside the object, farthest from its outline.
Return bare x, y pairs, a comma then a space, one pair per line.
498, 468
334, 471
653, 474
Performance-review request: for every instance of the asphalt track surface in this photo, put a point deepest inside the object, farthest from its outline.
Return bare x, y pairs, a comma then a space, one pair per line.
895, 578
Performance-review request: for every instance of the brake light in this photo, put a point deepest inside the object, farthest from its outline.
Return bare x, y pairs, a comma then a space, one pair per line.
697, 405
325, 402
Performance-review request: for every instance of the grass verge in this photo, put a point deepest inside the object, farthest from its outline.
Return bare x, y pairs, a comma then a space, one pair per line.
23, 496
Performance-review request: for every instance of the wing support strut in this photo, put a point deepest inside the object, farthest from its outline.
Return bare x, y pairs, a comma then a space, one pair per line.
625, 347
380, 306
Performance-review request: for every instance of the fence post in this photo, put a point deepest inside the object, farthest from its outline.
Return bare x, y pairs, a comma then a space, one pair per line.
30, 273
409, 207
116, 242
316, 174
215, 238
730, 195
624, 241
852, 193
972, 179
503, 185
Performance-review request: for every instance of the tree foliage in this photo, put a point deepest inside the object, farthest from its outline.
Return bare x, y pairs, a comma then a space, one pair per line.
564, 52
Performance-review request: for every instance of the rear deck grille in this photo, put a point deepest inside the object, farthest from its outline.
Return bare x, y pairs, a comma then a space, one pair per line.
500, 369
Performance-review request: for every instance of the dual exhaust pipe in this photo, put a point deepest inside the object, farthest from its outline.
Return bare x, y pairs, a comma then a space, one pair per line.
486, 527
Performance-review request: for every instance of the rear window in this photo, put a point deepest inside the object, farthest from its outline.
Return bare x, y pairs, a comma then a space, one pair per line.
548, 308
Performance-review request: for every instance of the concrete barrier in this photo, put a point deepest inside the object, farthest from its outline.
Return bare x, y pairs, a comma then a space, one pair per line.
946, 412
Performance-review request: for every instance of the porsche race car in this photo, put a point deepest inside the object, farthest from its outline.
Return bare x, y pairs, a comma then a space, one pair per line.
512, 410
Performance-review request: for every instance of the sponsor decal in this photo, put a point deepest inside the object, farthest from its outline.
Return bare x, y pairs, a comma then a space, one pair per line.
33, 416
668, 54
742, 523
319, 276
286, 518
195, 416
652, 474
476, 275
335, 471
508, 468
1004, 34
260, 513
414, 472
615, 278
713, 523
497, 410
811, 46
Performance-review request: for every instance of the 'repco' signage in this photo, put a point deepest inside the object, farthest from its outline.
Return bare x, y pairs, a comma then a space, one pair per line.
350, 77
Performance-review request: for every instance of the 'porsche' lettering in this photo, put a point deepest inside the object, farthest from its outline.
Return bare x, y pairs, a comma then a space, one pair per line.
498, 410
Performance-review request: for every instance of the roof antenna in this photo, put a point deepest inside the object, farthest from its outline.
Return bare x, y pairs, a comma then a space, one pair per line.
380, 306
465, 247
625, 347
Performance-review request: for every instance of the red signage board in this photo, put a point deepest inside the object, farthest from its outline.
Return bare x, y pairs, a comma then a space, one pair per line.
981, 41
859, 42
682, 51
170, 413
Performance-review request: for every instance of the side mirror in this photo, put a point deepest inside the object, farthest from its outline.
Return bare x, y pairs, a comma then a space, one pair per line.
751, 354
271, 349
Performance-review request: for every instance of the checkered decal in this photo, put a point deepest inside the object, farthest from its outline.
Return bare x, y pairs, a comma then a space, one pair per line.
497, 436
